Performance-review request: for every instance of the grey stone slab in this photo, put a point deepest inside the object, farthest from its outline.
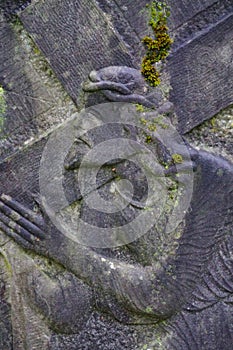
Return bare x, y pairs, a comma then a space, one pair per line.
201, 75
5, 310
75, 37
121, 17
200, 22
181, 12
184, 10
136, 13
187, 19
13, 78
33, 100
195, 282
11, 7
165, 290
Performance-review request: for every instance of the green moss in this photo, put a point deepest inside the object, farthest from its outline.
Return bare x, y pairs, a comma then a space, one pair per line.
158, 48
2, 102
140, 108
1, 124
213, 122
160, 122
36, 50
148, 139
154, 123
177, 158
173, 190
152, 127
2, 108
17, 24
143, 121
6, 260
149, 310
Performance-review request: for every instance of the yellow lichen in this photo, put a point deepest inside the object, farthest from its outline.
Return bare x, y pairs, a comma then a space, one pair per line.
140, 108
2, 108
177, 158
158, 48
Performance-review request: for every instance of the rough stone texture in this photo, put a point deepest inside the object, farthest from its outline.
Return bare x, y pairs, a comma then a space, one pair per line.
135, 14
131, 17
183, 10
201, 74
215, 135
200, 22
5, 309
197, 29
11, 7
47, 292
70, 45
190, 63
64, 297
35, 99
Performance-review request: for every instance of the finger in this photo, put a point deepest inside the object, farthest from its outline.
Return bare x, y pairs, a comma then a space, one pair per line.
18, 239
19, 208
16, 228
20, 220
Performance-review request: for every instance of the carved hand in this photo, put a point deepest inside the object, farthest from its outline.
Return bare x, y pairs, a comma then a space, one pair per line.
152, 290
23, 225
28, 230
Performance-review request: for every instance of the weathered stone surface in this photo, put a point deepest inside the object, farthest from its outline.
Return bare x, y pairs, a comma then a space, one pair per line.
50, 291
183, 10
136, 15
177, 281
14, 80
70, 33
5, 309
120, 16
30, 90
201, 75
168, 291
197, 30
215, 292
10, 7
200, 22
216, 134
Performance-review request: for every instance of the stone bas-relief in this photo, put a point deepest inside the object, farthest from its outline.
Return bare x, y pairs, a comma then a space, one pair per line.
159, 292
170, 285
125, 84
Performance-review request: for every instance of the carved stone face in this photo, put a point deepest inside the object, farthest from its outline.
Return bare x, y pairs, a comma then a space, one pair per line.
129, 77
125, 84
122, 79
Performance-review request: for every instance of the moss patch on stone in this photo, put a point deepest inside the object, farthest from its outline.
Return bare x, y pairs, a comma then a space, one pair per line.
177, 158
2, 108
157, 48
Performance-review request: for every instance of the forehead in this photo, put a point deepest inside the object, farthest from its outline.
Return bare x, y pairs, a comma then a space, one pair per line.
118, 73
